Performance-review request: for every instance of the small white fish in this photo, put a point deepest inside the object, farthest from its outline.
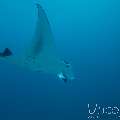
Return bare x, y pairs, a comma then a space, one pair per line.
41, 54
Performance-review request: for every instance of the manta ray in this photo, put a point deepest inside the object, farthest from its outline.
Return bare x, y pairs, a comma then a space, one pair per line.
41, 54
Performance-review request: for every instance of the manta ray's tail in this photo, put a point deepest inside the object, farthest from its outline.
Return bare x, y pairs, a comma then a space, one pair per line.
6, 52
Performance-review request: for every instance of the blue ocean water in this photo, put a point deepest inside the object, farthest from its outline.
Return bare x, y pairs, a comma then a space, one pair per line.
87, 34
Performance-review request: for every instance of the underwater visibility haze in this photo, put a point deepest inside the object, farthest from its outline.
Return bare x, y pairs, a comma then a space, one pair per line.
58, 57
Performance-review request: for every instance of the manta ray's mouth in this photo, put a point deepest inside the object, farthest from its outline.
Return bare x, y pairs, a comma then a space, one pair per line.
61, 76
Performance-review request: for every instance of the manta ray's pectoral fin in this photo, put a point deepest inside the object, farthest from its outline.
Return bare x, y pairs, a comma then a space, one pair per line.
6, 52
42, 43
